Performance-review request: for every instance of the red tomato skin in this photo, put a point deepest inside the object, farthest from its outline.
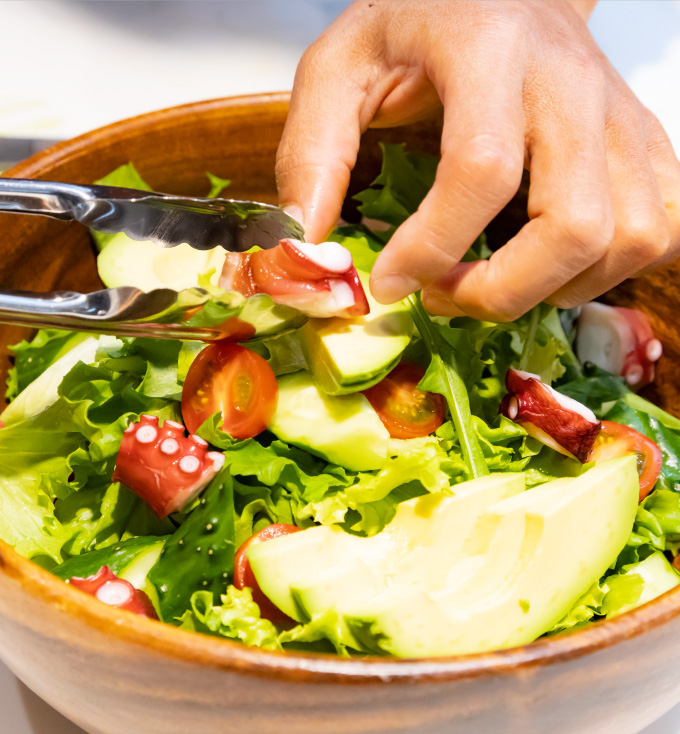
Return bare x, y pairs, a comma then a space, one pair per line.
244, 576
215, 376
616, 439
402, 384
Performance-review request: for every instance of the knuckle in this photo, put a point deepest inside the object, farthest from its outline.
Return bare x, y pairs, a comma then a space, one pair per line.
489, 160
590, 230
646, 235
588, 67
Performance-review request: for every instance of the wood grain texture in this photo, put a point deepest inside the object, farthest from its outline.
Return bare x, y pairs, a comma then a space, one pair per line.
115, 673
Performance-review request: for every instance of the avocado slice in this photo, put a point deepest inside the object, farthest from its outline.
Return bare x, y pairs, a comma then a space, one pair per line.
446, 520
658, 576
43, 391
500, 577
147, 266
349, 355
342, 429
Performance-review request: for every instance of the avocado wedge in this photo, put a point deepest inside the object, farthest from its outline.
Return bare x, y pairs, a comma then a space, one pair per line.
350, 355
497, 574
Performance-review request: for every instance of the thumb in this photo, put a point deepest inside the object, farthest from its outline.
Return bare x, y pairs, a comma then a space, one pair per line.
329, 109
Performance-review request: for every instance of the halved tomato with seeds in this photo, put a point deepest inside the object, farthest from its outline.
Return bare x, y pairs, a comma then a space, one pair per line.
235, 381
616, 440
405, 410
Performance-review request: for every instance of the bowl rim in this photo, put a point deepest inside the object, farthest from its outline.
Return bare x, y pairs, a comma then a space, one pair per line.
297, 667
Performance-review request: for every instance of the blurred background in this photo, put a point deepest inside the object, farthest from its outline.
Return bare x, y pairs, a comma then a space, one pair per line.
73, 65
68, 66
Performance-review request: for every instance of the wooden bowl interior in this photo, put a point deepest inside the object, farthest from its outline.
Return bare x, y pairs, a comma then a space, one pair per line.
172, 149
237, 139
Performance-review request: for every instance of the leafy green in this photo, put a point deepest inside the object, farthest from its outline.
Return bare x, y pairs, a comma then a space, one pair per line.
104, 516
199, 556
443, 376
27, 520
282, 353
417, 466
237, 618
584, 609
117, 557
217, 185
404, 180
68, 452
623, 592
303, 476
32, 358
323, 633
127, 177
187, 354
221, 306
362, 244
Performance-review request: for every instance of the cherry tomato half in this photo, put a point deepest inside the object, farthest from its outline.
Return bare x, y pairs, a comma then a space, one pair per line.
244, 576
406, 411
618, 440
229, 378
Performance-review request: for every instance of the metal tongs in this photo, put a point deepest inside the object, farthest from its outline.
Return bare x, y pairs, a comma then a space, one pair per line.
166, 220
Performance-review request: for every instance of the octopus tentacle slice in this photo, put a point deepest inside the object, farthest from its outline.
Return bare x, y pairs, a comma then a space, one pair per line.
115, 592
163, 466
619, 340
554, 419
319, 280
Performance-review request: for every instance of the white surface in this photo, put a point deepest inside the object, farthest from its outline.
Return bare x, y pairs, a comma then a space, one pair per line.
72, 66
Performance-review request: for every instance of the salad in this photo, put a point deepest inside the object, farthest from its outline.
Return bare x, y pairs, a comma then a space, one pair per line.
340, 475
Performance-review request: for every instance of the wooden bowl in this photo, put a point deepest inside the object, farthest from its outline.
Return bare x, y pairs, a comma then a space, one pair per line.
115, 673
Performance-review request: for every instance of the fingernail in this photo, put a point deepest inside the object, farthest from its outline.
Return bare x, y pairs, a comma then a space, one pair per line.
293, 210
391, 288
439, 304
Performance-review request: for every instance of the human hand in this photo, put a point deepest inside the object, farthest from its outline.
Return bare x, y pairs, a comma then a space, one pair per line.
522, 84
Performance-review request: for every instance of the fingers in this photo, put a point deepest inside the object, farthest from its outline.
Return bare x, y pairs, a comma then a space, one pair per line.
642, 234
571, 212
320, 143
667, 171
479, 172
340, 84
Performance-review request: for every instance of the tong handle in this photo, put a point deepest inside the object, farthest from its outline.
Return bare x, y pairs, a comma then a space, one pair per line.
101, 312
56, 199
48, 198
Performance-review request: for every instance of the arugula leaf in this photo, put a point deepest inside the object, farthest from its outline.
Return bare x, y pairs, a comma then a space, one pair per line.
217, 185
443, 377
404, 180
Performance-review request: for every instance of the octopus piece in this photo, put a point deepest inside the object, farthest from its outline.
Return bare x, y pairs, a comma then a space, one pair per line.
162, 466
319, 280
115, 592
619, 340
554, 419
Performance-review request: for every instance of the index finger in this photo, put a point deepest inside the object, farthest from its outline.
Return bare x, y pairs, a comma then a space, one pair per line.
338, 89
479, 172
